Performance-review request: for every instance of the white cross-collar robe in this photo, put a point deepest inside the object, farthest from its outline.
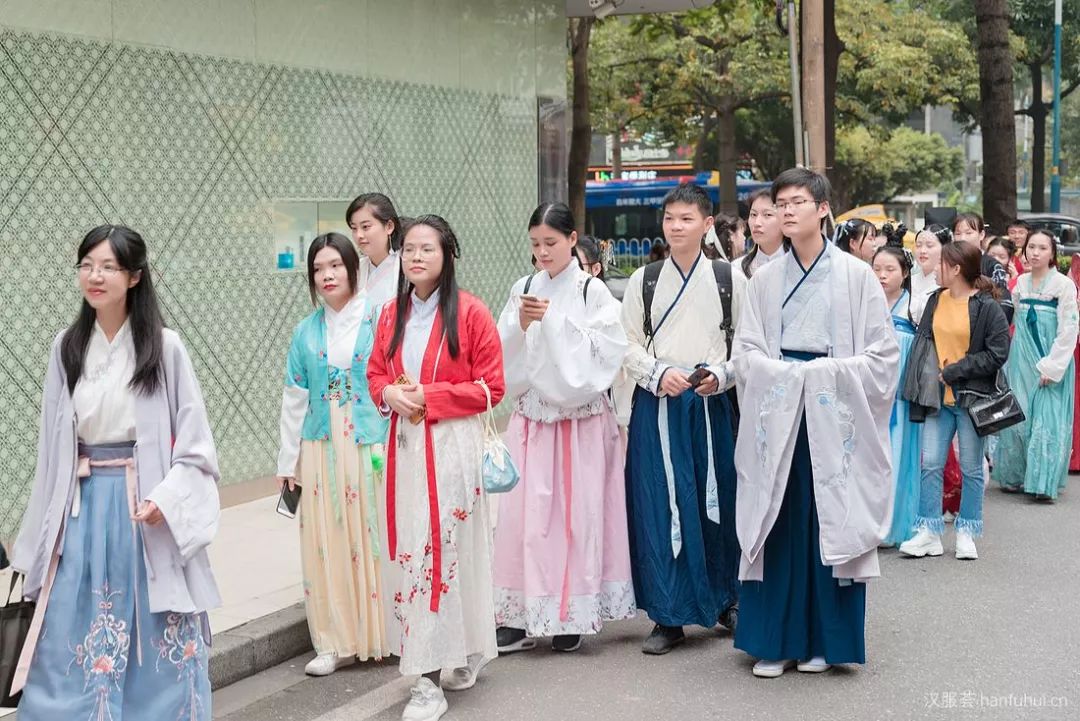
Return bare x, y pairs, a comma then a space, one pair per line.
847, 398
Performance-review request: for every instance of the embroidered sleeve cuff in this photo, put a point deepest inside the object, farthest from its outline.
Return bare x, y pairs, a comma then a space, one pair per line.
725, 375
653, 383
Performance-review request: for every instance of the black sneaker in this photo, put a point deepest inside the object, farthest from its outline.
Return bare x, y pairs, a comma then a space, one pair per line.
566, 644
729, 618
510, 640
662, 639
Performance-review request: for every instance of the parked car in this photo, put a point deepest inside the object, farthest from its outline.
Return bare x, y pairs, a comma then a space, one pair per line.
616, 282
1065, 227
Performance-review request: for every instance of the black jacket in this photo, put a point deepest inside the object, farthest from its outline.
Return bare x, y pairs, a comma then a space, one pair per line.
974, 376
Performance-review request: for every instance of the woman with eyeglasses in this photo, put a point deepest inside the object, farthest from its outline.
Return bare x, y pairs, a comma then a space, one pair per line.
562, 559
436, 367
331, 447
1033, 456
113, 543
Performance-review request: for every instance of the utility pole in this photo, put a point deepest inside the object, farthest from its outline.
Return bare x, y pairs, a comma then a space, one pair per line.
813, 62
1055, 170
796, 89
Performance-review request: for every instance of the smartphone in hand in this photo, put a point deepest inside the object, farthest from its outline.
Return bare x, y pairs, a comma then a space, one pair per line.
289, 501
698, 377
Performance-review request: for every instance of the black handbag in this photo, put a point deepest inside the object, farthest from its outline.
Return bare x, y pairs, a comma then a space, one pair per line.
14, 625
999, 411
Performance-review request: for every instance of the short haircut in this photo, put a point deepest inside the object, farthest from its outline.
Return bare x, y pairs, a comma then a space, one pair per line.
1019, 223
690, 194
818, 185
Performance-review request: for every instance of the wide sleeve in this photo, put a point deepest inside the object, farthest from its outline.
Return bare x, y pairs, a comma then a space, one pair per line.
513, 343
294, 406
1060, 355
642, 367
378, 368
988, 361
27, 546
447, 399
188, 495
568, 359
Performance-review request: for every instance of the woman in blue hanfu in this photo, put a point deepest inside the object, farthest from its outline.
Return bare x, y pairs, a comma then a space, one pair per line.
893, 270
1033, 456
331, 436
123, 506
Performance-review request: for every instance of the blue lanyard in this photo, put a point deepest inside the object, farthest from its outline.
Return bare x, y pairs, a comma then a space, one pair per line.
806, 273
686, 281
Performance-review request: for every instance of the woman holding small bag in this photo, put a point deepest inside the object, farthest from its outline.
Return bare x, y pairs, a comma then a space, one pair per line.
960, 347
562, 560
436, 366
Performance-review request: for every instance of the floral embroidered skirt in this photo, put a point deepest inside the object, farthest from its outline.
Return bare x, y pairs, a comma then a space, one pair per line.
102, 654
465, 622
342, 542
562, 558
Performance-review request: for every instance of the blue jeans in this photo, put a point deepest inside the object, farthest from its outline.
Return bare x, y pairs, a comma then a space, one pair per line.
937, 435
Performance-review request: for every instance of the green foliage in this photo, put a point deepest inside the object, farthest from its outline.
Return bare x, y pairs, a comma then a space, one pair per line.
872, 169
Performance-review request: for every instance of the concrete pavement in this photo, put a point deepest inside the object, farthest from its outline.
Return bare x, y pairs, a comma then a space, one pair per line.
989, 639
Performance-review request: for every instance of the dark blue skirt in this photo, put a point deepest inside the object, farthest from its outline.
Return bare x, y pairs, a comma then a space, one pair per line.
699, 584
799, 610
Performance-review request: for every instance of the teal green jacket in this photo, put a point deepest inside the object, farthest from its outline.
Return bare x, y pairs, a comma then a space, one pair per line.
309, 369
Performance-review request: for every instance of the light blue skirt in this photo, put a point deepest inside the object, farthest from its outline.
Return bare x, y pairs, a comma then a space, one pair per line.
87, 664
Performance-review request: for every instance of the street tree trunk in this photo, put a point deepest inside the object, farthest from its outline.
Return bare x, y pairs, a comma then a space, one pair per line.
580, 30
1038, 110
616, 154
833, 47
997, 119
727, 156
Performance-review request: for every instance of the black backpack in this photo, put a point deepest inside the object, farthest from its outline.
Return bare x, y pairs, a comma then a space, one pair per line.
722, 272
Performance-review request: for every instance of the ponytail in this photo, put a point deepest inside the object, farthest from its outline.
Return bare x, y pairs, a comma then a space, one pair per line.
985, 285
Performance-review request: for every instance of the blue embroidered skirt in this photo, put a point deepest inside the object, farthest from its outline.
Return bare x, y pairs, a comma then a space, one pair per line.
87, 664
695, 585
799, 610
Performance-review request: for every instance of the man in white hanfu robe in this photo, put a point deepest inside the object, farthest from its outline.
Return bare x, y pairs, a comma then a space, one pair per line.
680, 476
817, 366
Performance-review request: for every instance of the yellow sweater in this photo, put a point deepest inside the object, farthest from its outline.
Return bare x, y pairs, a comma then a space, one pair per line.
952, 333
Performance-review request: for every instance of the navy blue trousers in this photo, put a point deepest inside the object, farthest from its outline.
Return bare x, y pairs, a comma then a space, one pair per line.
799, 610
703, 581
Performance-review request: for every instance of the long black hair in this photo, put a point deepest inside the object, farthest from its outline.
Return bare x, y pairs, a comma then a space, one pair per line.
349, 256
556, 216
144, 312
448, 287
748, 259
383, 210
590, 248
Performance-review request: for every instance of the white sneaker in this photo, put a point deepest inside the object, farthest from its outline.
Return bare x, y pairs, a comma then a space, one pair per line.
465, 677
965, 546
428, 703
948, 516
815, 665
925, 543
326, 663
772, 669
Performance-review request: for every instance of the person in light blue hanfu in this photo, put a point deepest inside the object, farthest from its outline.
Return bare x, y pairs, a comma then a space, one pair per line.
893, 269
1033, 456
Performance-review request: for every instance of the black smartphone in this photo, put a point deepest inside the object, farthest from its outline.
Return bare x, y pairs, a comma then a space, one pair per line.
698, 377
289, 501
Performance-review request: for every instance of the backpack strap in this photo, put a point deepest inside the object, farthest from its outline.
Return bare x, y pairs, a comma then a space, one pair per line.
585, 290
528, 283
722, 271
648, 291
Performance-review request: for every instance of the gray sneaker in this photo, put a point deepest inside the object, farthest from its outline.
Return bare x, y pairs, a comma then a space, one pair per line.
465, 677
662, 639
